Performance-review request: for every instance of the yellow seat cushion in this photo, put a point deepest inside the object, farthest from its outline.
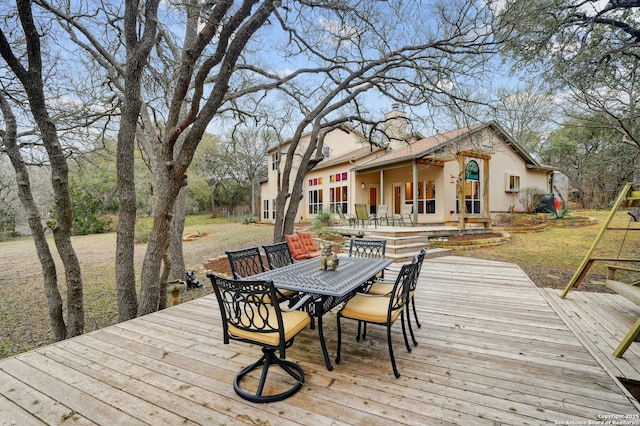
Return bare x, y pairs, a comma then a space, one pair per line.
288, 293
282, 295
294, 322
381, 289
369, 308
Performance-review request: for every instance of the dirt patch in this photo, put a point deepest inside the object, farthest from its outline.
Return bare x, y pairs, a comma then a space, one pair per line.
23, 305
220, 266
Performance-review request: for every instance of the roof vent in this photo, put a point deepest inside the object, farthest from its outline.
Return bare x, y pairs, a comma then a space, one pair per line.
325, 151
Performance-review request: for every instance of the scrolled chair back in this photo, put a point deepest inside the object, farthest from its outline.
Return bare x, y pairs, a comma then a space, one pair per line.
251, 313
359, 247
248, 312
419, 259
403, 285
245, 262
278, 255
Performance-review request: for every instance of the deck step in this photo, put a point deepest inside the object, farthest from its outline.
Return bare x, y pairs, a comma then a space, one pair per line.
403, 242
407, 256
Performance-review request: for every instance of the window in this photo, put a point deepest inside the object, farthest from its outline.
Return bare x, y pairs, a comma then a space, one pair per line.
427, 197
408, 192
471, 197
339, 177
266, 211
315, 201
472, 171
275, 160
430, 199
315, 181
339, 200
512, 183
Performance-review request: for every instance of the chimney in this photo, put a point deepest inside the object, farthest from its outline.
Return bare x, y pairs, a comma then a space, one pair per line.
396, 127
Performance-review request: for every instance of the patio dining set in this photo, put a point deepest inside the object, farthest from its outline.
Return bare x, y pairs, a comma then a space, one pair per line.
269, 305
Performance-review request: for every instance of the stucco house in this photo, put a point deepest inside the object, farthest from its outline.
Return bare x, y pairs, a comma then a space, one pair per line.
480, 163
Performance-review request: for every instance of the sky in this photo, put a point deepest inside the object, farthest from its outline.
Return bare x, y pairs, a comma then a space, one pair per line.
268, 50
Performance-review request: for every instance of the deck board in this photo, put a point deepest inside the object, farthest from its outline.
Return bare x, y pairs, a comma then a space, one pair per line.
601, 320
493, 349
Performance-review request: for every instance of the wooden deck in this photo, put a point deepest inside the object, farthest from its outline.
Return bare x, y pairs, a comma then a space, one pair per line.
601, 321
493, 350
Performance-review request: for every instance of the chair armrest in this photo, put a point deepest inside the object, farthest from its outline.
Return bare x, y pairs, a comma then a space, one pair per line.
303, 301
373, 295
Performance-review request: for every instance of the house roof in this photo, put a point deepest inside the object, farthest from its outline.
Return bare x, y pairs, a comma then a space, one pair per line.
429, 146
351, 156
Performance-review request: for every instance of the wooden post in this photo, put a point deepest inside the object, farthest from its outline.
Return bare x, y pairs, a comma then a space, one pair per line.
629, 338
460, 186
587, 261
414, 213
485, 194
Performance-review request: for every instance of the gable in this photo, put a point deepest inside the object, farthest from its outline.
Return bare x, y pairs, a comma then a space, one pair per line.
480, 138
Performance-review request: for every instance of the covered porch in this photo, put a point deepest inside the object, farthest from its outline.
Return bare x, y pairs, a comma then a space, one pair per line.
493, 349
429, 188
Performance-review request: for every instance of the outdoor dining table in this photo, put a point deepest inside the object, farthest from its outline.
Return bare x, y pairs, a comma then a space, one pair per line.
327, 288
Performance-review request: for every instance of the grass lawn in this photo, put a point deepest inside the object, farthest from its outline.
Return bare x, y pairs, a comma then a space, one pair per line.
23, 305
549, 257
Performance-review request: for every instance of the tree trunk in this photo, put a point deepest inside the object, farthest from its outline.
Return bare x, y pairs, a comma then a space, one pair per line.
54, 300
175, 161
281, 201
125, 241
149, 298
176, 253
636, 183
63, 228
306, 164
164, 279
136, 60
33, 84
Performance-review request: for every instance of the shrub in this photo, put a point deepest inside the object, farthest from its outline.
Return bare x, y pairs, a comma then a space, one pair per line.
89, 215
322, 220
7, 223
559, 214
530, 198
248, 220
143, 231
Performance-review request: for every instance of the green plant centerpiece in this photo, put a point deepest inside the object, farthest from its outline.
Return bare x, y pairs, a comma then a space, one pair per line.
328, 260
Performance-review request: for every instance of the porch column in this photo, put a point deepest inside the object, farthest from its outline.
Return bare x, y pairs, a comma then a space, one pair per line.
460, 185
382, 187
415, 191
485, 193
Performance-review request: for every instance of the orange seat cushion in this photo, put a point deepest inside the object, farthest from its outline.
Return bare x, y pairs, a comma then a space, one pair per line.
296, 247
314, 253
307, 242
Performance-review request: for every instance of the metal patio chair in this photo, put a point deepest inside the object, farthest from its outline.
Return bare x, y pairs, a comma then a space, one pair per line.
382, 310
249, 315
